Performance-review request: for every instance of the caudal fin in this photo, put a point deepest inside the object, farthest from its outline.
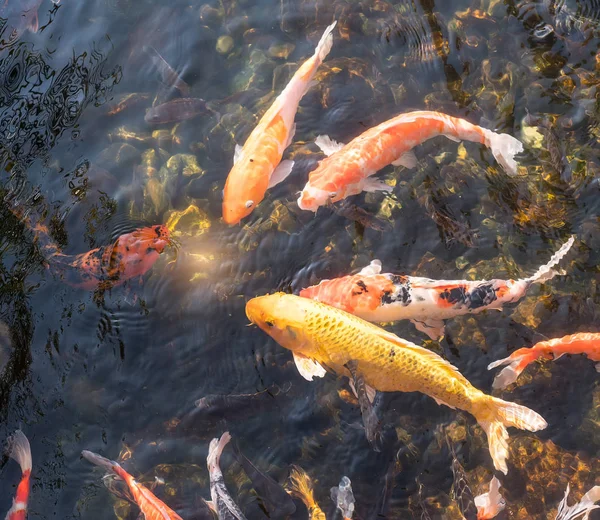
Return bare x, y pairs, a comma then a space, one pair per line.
547, 272
19, 450
566, 512
499, 414
491, 503
325, 43
505, 147
215, 450
517, 362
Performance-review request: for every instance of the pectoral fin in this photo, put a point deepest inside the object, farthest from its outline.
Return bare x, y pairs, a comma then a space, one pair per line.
372, 185
281, 173
433, 328
443, 403
291, 135
308, 368
237, 153
373, 268
408, 160
327, 145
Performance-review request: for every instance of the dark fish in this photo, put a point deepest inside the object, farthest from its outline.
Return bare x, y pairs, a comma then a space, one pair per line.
167, 73
371, 421
123, 102
358, 215
275, 499
176, 110
226, 404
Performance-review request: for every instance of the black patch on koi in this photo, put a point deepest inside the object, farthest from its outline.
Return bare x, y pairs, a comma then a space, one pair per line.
401, 294
455, 295
362, 286
482, 296
157, 231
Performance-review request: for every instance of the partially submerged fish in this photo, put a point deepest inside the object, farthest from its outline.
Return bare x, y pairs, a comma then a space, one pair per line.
301, 486
224, 505
176, 110
322, 336
151, 507
257, 165
167, 73
581, 510
348, 168
19, 450
379, 297
587, 343
343, 498
275, 499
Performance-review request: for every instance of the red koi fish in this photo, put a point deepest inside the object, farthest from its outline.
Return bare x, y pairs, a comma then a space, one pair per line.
378, 297
151, 507
257, 166
347, 169
20, 451
587, 343
131, 255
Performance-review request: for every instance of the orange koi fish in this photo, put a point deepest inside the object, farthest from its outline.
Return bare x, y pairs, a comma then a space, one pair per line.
131, 255
379, 297
587, 343
257, 166
20, 451
151, 507
347, 169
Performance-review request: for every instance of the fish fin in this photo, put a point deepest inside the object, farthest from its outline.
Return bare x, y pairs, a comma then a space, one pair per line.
308, 368
371, 393
281, 173
433, 328
373, 268
584, 507
215, 449
491, 503
325, 43
237, 153
517, 362
546, 272
327, 145
505, 147
498, 415
212, 506
453, 138
372, 185
443, 403
19, 450
291, 135
408, 160
34, 24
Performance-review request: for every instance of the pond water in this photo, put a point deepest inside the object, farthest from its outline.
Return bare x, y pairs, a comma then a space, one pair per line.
118, 371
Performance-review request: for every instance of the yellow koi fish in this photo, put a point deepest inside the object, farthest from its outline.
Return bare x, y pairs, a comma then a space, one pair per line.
322, 336
257, 165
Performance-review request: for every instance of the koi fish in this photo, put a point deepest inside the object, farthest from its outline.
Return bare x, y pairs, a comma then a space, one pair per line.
222, 502
257, 166
19, 450
584, 507
378, 297
319, 335
343, 498
176, 110
131, 255
301, 486
151, 507
347, 168
587, 343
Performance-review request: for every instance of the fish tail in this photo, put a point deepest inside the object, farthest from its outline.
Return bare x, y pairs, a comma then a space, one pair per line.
301, 486
491, 503
547, 271
517, 362
497, 416
504, 147
19, 450
216, 449
325, 43
103, 462
584, 507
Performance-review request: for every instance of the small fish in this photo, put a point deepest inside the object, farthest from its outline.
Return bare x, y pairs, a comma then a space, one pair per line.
151, 507
19, 450
322, 336
176, 110
275, 499
226, 404
365, 397
347, 169
301, 486
257, 166
123, 102
491, 503
343, 498
167, 73
587, 343
584, 507
224, 505
378, 297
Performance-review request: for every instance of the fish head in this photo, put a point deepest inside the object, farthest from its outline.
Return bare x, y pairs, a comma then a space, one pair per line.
312, 198
282, 316
153, 116
244, 190
138, 251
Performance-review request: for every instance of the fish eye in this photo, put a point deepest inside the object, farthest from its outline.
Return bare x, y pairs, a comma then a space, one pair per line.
249, 203
269, 323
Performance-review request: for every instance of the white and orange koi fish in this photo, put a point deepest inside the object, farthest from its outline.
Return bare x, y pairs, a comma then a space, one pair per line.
587, 343
347, 169
379, 297
257, 165
19, 450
